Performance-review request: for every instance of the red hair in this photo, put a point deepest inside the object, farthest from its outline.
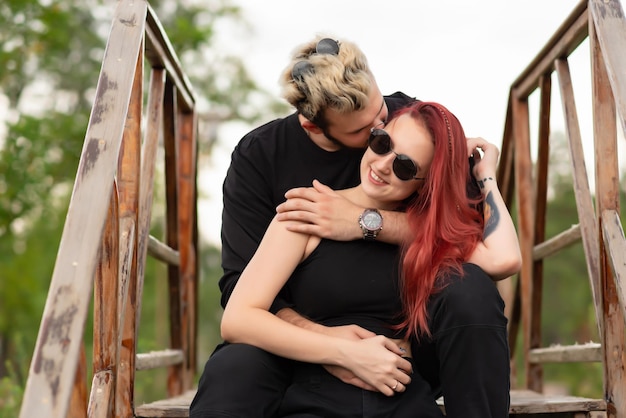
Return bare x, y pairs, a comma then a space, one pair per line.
445, 216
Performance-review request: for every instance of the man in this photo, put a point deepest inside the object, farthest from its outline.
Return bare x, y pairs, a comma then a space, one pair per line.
338, 103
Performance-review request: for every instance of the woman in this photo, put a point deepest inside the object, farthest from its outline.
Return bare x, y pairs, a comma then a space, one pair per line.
418, 163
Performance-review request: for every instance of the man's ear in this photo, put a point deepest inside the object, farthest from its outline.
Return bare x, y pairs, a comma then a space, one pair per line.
311, 127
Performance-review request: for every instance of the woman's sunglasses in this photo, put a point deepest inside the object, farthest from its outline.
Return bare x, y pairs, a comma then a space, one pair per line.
403, 166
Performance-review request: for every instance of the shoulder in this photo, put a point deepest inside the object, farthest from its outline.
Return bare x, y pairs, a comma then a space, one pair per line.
268, 133
398, 100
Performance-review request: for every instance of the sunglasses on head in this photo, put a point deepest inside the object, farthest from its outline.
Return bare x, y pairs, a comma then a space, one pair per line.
324, 46
403, 166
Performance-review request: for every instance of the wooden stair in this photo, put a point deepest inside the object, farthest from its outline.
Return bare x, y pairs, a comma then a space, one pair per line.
524, 404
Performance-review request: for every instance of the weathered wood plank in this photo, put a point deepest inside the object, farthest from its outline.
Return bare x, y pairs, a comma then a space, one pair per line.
78, 401
616, 247
528, 402
162, 252
129, 172
187, 148
52, 370
522, 402
161, 54
525, 200
565, 40
157, 359
154, 121
170, 109
125, 377
102, 392
105, 318
610, 27
607, 28
557, 242
582, 192
589, 352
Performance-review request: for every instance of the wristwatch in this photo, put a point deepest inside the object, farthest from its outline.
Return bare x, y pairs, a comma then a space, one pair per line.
371, 222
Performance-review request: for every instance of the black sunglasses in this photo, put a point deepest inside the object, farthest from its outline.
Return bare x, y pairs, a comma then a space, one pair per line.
324, 46
403, 166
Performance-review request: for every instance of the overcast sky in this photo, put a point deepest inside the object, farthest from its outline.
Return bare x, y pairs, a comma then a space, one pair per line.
463, 54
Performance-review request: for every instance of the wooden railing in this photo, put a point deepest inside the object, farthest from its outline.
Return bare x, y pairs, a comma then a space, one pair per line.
602, 22
105, 240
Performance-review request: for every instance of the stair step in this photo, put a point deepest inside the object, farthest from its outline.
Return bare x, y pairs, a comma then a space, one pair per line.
523, 402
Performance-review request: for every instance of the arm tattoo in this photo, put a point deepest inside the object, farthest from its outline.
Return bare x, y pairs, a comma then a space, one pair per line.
492, 216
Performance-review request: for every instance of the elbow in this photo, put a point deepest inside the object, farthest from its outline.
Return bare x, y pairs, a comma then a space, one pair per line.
228, 327
507, 266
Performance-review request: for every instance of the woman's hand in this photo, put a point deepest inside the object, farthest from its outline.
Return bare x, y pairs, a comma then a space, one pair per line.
378, 362
484, 165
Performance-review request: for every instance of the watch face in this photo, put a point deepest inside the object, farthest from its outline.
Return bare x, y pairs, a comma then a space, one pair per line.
372, 220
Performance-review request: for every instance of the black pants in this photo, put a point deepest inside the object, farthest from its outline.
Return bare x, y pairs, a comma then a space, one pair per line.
315, 393
466, 360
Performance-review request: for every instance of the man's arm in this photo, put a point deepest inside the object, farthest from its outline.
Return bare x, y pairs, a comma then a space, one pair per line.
323, 212
248, 209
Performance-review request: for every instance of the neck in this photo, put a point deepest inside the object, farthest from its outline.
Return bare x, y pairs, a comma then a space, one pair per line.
318, 137
358, 196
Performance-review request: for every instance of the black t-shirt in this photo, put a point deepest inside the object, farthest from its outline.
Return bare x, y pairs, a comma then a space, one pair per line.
343, 283
267, 162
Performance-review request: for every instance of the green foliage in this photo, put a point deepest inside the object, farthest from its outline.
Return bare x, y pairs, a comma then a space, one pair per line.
50, 58
10, 396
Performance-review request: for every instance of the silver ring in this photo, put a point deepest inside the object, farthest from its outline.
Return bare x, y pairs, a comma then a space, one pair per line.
395, 386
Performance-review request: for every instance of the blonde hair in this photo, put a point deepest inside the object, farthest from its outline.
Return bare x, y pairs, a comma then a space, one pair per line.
341, 82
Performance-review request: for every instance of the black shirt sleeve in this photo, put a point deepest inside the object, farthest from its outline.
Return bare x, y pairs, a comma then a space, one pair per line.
248, 211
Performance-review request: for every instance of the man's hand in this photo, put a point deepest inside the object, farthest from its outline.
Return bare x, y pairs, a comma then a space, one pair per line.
322, 212
350, 332
346, 376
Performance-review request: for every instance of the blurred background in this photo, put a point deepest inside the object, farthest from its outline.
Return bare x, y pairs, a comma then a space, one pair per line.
462, 54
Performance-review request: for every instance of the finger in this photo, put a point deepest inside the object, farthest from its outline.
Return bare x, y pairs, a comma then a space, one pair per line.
395, 348
400, 388
322, 188
405, 366
308, 193
403, 377
295, 204
386, 390
364, 333
304, 228
361, 384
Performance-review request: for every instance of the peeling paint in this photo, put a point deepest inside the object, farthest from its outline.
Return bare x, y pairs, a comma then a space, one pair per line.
55, 337
610, 9
101, 105
91, 154
130, 22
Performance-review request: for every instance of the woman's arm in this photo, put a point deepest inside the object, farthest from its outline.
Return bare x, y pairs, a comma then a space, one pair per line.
247, 320
498, 254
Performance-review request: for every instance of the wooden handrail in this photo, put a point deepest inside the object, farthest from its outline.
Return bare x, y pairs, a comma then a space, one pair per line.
106, 237
599, 227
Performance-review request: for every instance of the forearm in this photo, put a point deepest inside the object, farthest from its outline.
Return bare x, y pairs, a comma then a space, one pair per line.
395, 230
499, 253
294, 318
262, 329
